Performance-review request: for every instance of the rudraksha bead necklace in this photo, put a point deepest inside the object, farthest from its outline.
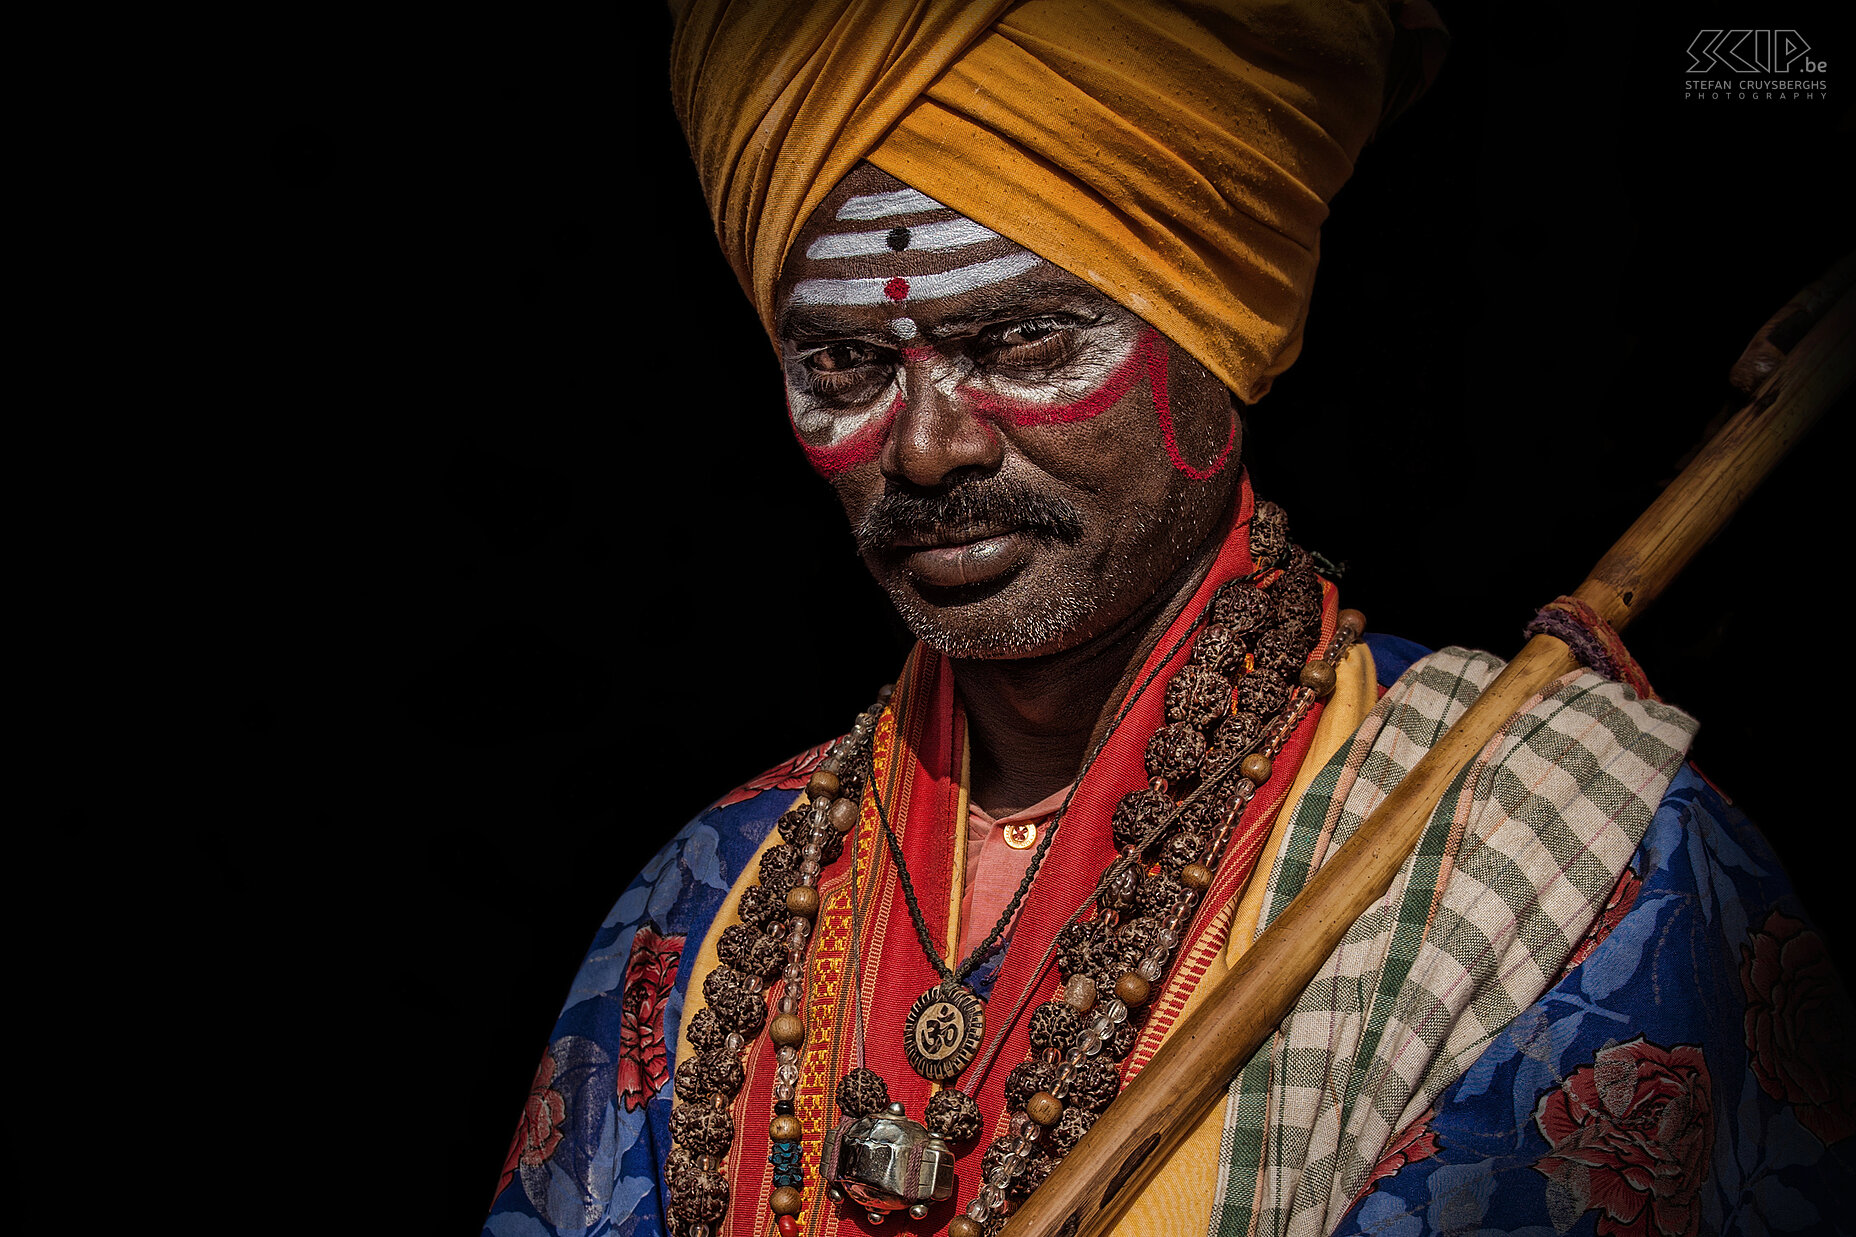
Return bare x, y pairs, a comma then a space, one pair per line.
1229, 711
753, 953
1217, 749
1061, 1089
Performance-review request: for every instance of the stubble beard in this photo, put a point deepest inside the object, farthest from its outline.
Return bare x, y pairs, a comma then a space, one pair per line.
1040, 623
1038, 619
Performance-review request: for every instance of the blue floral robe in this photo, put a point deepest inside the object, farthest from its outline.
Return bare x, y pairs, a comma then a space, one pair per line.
1691, 1072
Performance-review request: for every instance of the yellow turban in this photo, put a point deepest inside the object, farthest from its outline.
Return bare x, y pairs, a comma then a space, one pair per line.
1178, 156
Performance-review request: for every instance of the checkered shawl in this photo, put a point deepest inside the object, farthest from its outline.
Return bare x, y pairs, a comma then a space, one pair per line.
1513, 867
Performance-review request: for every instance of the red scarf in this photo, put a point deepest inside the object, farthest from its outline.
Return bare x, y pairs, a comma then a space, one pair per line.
918, 748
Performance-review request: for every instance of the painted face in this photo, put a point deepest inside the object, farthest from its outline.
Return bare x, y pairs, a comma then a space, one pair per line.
1024, 462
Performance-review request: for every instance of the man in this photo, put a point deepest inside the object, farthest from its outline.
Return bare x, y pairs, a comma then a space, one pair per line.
1018, 267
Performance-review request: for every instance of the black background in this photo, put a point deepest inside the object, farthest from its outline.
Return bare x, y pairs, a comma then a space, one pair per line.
514, 566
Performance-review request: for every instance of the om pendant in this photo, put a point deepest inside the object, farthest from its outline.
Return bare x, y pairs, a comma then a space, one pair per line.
943, 1031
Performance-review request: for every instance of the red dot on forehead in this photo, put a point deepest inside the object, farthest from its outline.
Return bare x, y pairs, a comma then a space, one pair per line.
897, 289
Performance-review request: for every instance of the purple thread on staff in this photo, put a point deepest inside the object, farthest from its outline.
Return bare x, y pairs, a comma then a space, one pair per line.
1585, 643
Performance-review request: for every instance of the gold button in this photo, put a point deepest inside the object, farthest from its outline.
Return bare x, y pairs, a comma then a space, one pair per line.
1021, 836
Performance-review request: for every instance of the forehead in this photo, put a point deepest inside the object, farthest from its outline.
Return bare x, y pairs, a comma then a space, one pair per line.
878, 255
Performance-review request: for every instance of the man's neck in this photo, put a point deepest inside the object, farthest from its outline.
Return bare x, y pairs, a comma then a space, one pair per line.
1031, 721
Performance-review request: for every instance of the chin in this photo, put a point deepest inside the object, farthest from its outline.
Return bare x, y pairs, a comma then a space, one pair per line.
1010, 622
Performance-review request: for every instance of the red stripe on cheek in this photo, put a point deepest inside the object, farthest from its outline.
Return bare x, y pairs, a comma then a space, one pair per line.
1163, 407
860, 448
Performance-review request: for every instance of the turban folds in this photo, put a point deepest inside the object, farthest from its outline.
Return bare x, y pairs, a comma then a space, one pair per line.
1177, 156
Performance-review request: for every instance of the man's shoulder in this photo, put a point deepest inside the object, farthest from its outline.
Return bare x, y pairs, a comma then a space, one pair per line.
1698, 1004
788, 775
606, 1075
686, 879
678, 890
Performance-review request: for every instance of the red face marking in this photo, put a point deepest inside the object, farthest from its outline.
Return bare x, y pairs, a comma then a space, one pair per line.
1148, 357
1165, 411
858, 449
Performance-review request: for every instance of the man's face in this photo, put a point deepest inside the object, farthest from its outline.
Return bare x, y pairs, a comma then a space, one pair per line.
1023, 461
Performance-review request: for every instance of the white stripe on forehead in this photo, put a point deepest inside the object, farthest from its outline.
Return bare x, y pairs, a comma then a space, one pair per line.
880, 291
883, 205
953, 234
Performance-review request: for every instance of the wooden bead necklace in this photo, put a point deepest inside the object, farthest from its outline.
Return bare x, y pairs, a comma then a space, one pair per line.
1064, 1085
702, 1128
1229, 711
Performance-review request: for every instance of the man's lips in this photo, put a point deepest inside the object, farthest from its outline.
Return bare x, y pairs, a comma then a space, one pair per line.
950, 536
952, 558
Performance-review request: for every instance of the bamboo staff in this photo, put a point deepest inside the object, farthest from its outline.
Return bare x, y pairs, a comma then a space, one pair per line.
1798, 365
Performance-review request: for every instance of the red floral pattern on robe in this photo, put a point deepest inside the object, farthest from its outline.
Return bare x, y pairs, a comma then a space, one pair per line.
1415, 1142
787, 775
650, 974
538, 1133
1632, 1135
1797, 1018
1623, 897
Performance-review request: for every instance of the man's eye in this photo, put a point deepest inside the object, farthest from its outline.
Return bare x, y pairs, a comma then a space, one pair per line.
841, 357
1029, 332
848, 371
1031, 342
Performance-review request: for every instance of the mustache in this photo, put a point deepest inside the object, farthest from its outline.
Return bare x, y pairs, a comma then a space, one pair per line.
996, 503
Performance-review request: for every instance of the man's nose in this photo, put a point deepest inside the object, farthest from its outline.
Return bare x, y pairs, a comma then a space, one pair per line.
936, 433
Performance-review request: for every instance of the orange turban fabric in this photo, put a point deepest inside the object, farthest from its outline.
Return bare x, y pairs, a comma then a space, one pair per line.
1178, 156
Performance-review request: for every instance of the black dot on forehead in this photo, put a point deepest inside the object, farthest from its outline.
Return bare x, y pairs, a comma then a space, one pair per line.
898, 239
